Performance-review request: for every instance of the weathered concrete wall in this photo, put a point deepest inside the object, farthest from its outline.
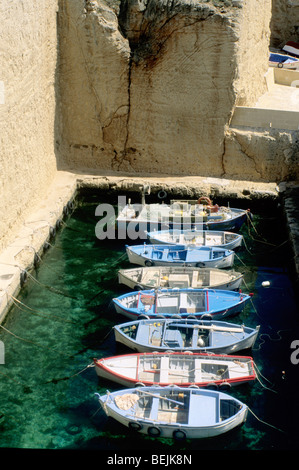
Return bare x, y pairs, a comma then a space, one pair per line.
28, 38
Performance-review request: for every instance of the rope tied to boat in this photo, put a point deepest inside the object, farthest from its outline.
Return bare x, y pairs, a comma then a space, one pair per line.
264, 422
18, 304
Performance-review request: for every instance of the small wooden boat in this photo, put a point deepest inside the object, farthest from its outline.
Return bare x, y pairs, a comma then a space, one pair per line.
182, 303
199, 214
283, 61
174, 412
227, 240
182, 369
208, 336
179, 255
179, 276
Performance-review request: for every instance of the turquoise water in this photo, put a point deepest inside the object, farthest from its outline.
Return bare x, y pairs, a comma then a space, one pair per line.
63, 319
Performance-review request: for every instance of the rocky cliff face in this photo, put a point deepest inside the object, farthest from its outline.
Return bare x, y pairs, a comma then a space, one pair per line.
151, 85
284, 22
28, 60
155, 91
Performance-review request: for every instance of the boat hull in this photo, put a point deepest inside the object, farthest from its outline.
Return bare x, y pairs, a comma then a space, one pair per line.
227, 240
233, 344
165, 429
180, 369
157, 217
169, 303
176, 277
141, 258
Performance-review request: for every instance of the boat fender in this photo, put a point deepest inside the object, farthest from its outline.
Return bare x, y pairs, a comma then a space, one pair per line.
143, 317
58, 224
162, 194
179, 435
52, 232
200, 265
70, 205
137, 287
212, 386
36, 260
225, 386
23, 278
140, 384
206, 316
153, 431
46, 246
148, 263
134, 426
193, 386
191, 317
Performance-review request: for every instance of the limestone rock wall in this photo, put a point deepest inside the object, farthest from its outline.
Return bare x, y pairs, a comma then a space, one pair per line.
28, 38
252, 51
284, 22
94, 81
154, 90
264, 155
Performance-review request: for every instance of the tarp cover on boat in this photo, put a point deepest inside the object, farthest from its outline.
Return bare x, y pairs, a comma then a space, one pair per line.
125, 402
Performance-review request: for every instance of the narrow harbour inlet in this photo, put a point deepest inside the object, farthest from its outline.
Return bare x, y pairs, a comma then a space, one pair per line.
63, 318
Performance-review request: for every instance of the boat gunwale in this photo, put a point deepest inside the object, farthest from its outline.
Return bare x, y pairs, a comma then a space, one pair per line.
99, 363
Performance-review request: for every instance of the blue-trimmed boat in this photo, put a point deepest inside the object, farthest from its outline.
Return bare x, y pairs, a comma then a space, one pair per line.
220, 239
201, 214
182, 303
210, 336
180, 255
174, 412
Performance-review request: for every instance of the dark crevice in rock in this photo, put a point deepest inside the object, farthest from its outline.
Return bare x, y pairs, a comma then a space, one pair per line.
148, 24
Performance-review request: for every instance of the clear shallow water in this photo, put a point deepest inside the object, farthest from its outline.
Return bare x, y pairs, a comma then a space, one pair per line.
65, 319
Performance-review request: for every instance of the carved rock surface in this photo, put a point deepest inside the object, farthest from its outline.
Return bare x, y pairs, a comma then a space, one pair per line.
151, 85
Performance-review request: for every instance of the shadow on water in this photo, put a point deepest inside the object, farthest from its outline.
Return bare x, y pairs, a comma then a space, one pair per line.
48, 384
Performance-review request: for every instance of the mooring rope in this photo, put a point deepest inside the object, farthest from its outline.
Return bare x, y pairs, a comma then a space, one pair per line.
264, 422
271, 339
260, 382
17, 303
52, 289
110, 266
32, 342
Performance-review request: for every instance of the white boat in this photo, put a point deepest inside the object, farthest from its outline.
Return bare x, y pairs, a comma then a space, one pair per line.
220, 239
179, 276
179, 255
210, 336
283, 61
199, 214
175, 368
174, 412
